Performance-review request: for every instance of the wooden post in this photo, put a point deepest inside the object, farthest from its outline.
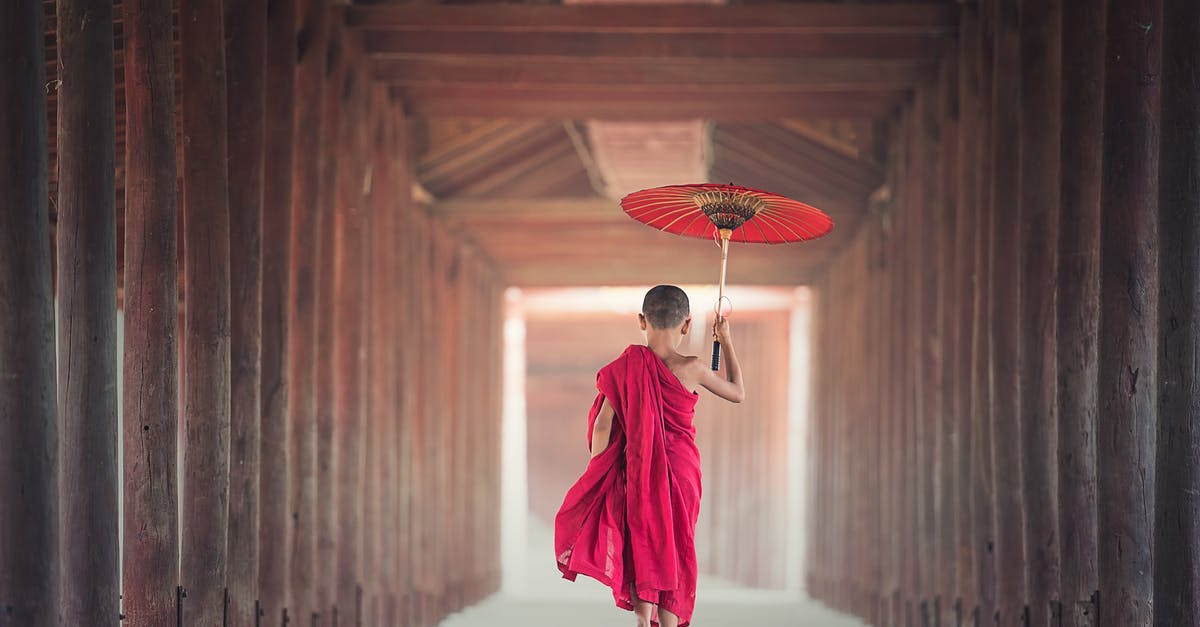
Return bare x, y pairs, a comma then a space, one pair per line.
1177, 516
87, 314
1078, 305
1128, 340
151, 567
246, 44
206, 311
29, 569
331, 155
307, 261
274, 483
1040, 111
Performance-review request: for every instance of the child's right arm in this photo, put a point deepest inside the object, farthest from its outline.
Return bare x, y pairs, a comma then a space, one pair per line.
730, 388
602, 430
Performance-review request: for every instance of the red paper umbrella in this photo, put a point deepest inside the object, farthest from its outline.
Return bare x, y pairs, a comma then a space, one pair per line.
728, 213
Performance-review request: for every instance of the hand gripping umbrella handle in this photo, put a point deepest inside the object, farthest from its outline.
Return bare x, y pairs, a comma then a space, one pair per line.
716, 360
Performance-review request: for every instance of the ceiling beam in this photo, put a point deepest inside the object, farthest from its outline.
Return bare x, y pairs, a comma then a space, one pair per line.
666, 104
632, 45
783, 18
714, 74
456, 211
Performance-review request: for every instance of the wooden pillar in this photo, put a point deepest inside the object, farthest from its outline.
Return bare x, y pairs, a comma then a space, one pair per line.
29, 569
348, 258
246, 43
1040, 110
334, 118
151, 540
206, 311
1177, 517
87, 314
274, 483
307, 261
1128, 340
1078, 305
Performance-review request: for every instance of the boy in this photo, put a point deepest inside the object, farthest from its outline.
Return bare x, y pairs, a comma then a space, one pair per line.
630, 520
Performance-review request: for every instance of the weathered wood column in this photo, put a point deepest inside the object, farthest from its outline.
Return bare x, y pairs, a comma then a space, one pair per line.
246, 43
151, 562
307, 257
1128, 340
1177, 516
29, 569
1040, 108
274, 483
87, 314
206, 311
1078, 305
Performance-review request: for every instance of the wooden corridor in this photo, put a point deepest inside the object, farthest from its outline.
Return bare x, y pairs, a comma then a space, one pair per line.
306, 213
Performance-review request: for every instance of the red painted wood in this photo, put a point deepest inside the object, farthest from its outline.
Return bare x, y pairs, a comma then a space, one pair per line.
274, 482
29, 570
1177, 511
246, 45
151, 295
1128, 335
1040, 108
87, 311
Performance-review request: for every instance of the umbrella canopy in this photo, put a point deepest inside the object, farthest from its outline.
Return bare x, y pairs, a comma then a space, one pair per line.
705, 209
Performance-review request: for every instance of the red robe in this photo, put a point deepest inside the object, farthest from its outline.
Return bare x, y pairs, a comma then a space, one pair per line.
631, 517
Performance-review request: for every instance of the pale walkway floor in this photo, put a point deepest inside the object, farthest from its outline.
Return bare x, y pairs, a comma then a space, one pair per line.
547, 600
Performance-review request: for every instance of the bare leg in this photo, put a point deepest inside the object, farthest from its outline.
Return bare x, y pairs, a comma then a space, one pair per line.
667, 619
643, 609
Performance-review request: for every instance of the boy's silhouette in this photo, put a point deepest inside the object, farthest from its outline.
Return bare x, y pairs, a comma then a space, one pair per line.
630, 520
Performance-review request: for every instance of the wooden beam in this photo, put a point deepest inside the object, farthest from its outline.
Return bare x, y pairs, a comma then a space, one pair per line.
633, 45
206, 311
673, 104
710, 73
245, 51
87, 314
1177, 510
1126, 425
457, 211
274, 513
908, 18
151, 561
29, 568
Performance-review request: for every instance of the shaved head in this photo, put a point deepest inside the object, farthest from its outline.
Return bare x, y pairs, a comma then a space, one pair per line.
666, 307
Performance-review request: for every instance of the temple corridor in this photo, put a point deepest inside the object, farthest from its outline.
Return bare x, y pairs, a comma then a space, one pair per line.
302, 301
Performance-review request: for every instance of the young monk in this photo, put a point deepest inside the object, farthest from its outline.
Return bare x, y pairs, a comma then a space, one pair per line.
630, 520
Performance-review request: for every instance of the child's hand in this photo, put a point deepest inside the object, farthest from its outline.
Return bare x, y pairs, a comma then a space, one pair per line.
721, 330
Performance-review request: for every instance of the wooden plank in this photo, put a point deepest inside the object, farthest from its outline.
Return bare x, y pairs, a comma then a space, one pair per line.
274, 488
206, 312
151, 540
897, 18
1128, 339
673, 104
246, 41
87, 314
1078, 307
307, 259
1039, 195
1177, 511
717, 74
457, 211
29, 569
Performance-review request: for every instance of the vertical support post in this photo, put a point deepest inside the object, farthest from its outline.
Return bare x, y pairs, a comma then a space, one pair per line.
1128, 344
1078, 304
206, 306
307, 260
1040, 148
1177, 516
246, 45
275, 434
87, 314
29, 569
151, 534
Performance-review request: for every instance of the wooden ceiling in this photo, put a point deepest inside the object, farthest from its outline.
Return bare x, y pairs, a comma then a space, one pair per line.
800, 94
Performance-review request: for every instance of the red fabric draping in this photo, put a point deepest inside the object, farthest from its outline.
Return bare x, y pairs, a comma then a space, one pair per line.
631, 517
